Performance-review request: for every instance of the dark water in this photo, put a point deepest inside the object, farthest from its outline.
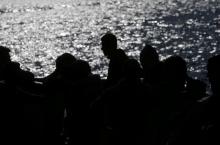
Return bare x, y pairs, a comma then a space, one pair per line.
38, 31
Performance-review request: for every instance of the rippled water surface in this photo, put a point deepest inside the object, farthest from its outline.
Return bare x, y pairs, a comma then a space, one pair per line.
37, 31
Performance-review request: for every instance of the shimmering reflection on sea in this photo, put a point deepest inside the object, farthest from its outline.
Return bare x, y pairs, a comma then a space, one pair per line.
38, 32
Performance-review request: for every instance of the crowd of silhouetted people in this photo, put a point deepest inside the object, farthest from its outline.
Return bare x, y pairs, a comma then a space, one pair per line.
141, 102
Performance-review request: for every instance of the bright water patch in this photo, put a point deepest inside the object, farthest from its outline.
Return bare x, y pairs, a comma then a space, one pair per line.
38, 31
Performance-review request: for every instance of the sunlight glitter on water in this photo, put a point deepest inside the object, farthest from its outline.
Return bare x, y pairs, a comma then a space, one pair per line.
37, 32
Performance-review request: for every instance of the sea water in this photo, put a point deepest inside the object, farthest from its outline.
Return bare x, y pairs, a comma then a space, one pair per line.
37, 31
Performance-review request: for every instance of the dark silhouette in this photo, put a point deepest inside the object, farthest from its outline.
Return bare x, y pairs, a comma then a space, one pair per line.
199, 125
123, 107
156, 103
14, 74
149, 60
62, 63
15, 88
6, 93
4, 60
56, 89
82, 90
116, 56
24, 96
213, 74
210, 134
175, 73
168, 99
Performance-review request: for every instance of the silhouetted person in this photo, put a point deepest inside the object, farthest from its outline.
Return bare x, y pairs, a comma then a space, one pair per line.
116, 56
17, 76
83, 89
175, 73
11, 71
55, 90
62, 63
211, 126
149, 60
168, 100
199, 125
12, 116
13, 80
24, 100
123, 106
5, 91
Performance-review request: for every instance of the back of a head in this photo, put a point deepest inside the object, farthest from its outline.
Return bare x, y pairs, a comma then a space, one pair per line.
214, 73
109, 43
82, 69
149, 57
175, 70
64, 60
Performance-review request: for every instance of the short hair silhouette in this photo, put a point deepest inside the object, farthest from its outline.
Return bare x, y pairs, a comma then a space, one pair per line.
148, 57
175, 71
149, 60
109, 43
82, 69
64, 60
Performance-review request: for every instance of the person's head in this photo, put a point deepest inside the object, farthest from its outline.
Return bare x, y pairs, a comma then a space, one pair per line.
214, 73
4, 58
109, 44
64, 61
148, 57
82, 69
175, 72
